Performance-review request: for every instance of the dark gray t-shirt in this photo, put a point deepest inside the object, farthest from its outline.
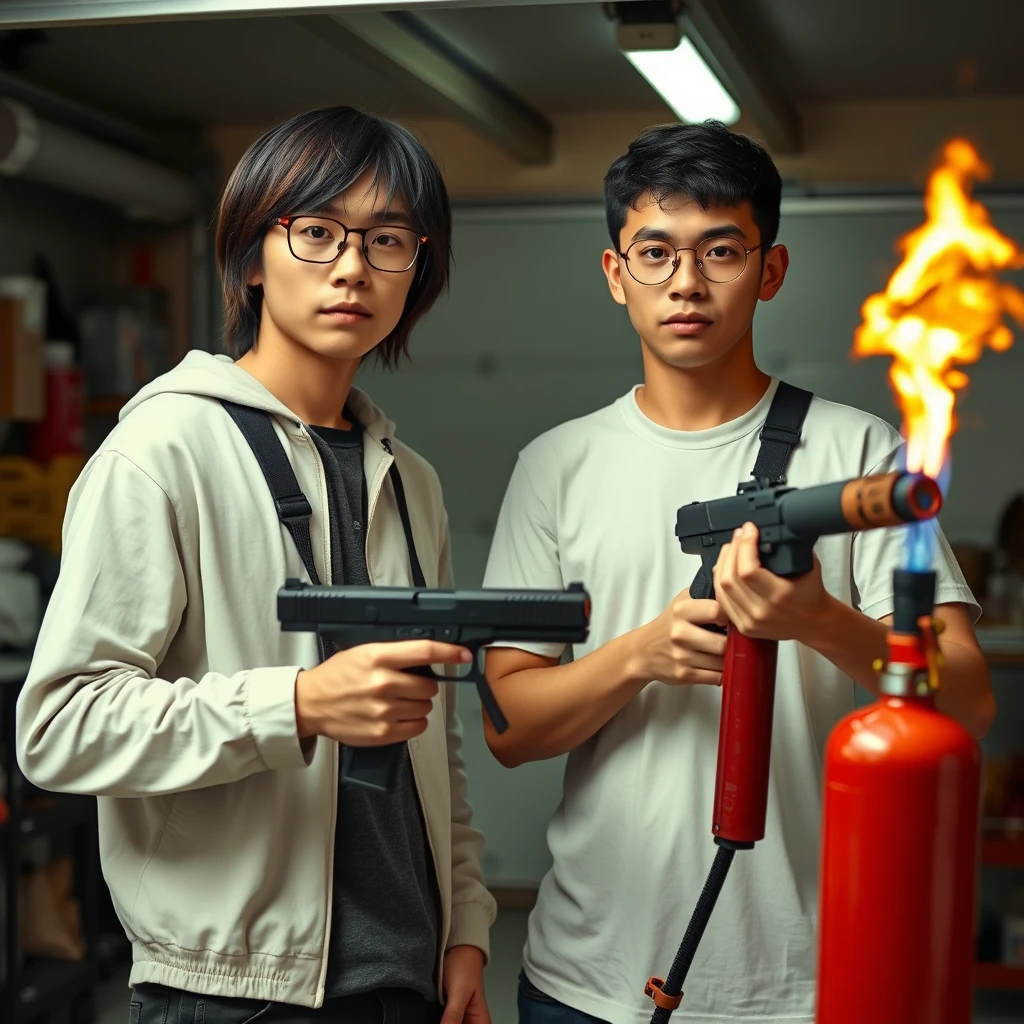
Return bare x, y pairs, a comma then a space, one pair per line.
386, 907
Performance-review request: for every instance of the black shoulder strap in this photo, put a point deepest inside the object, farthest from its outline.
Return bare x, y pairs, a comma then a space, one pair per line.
418, 579
293, 509
781, 432
779, 436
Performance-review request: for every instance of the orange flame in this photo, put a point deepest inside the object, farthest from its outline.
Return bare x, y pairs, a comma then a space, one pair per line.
942, 305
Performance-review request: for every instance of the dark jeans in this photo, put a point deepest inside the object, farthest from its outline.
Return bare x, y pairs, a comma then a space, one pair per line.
158, 1004
536, 1007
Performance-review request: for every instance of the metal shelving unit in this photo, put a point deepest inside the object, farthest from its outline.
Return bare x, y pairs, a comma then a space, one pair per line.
1003, 646
34, 988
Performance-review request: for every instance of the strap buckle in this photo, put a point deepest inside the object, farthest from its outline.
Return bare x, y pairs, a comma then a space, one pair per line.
782, 435
292, 507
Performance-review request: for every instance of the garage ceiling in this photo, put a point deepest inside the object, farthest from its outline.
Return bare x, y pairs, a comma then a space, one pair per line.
558, 58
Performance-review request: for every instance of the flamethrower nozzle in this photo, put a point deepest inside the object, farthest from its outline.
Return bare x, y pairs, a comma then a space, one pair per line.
864, 503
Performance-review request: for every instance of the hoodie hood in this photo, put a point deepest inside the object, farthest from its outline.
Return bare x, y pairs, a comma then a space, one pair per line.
211, 375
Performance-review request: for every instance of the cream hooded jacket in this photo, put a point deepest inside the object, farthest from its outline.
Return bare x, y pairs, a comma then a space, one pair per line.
163, 684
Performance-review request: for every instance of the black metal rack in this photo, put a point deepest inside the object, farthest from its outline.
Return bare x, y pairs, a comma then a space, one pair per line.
35, 988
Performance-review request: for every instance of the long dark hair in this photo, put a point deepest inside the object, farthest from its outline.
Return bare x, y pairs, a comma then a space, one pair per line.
302, 164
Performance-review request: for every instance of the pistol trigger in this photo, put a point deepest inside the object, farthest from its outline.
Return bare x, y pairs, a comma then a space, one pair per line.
477, 664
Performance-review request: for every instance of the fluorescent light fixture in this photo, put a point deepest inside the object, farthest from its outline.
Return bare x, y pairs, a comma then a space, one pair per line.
685, 83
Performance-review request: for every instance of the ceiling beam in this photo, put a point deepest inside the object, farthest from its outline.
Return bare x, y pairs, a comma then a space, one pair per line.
41, 13
404, 50
84, 118
714, 38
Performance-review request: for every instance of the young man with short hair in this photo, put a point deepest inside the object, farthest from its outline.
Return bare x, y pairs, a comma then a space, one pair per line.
251, 883
693, 213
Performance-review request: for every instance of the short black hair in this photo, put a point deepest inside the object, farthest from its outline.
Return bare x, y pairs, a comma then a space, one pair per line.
707, 162
302, 164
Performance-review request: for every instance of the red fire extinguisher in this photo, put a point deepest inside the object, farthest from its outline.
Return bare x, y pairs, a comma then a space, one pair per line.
900, 837
62, 431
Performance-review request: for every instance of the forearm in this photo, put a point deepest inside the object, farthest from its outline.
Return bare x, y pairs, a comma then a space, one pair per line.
553, 710
124, 734
102, 712
853, 641
966, 693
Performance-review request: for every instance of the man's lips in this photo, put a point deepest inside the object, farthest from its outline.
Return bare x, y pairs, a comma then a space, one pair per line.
683, 324
346, 312
688, 318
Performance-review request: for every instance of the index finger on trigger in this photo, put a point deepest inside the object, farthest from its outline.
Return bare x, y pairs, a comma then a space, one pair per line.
748, 558
412, 653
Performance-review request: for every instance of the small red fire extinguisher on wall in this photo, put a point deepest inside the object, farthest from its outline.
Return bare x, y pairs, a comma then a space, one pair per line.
900, 840
62, 430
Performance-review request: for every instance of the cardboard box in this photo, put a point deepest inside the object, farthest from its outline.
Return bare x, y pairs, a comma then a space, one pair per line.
22, 319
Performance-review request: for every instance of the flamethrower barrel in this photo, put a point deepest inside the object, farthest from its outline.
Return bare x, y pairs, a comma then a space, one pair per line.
864, 503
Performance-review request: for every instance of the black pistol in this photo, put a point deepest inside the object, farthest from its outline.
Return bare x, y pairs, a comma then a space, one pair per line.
352, 616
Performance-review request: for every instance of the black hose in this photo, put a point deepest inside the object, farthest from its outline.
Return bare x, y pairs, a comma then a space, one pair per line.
695, 930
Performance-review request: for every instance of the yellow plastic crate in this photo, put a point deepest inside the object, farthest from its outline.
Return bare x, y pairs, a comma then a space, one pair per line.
34, 497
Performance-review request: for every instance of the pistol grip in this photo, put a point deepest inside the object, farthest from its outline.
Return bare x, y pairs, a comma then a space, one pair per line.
371, 767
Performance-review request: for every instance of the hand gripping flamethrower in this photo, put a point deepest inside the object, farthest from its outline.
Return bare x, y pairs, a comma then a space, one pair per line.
789, 521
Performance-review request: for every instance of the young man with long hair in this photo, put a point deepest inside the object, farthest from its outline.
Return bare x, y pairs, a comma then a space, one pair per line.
251, 884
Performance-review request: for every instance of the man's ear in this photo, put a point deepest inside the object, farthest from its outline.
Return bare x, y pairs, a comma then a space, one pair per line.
773, 273
612, 271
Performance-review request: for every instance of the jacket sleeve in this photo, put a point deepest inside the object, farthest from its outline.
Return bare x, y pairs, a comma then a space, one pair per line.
473, 907
94, 716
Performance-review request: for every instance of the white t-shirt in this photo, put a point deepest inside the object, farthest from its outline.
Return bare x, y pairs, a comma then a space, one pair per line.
595, 500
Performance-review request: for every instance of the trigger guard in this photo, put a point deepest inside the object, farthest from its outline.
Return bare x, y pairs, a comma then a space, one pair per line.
475, 674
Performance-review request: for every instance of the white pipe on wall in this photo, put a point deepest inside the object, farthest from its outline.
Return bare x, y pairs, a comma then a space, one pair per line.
52, 155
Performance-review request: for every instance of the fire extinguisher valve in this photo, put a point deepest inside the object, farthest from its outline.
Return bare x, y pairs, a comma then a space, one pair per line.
914, 668
914, 664
901, 679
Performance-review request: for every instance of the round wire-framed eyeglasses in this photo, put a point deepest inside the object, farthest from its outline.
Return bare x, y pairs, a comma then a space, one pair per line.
654, 261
